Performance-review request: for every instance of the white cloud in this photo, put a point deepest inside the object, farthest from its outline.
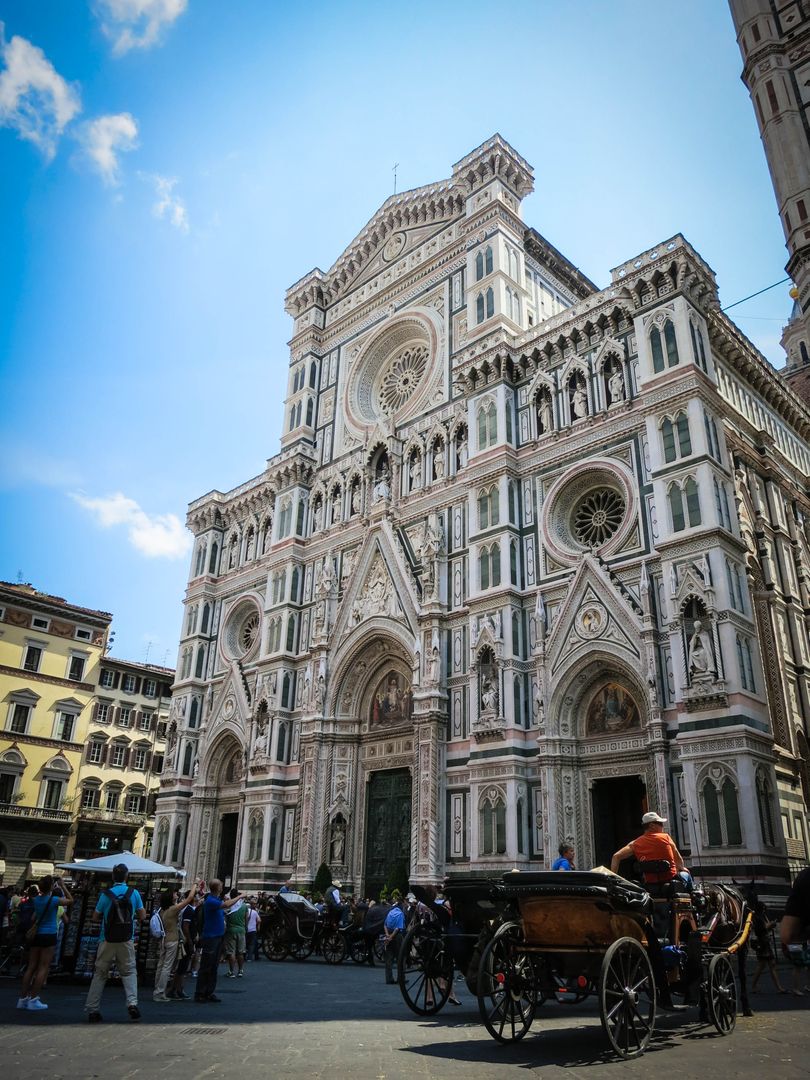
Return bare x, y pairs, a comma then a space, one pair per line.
34, 98
137, 24
158, 536
168, 205
105, 138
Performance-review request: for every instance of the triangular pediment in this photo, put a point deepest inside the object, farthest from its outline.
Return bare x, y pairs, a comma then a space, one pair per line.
381, 585
593, 613
231, 703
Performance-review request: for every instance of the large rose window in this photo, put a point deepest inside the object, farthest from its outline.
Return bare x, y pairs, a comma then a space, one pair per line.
590, 508
394, 373
598, 516
242, 629
400, 378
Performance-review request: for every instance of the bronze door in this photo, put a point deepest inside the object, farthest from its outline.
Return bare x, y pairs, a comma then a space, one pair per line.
388, 831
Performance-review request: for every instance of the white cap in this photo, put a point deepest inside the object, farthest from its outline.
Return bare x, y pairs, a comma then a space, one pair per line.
648, 819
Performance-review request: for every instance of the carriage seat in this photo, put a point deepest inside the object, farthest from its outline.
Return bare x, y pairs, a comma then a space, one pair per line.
652, 870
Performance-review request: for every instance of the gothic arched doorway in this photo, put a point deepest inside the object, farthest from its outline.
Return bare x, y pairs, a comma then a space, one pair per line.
226, 769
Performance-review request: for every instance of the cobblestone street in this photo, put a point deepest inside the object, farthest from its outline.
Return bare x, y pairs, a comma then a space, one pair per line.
308, 1020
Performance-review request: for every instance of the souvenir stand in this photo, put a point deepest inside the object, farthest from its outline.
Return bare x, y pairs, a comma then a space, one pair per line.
90, 878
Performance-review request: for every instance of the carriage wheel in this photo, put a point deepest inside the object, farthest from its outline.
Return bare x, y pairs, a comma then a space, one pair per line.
359, 950
379, 948
274, 945
507, 993
722, 994
302, 948
425, 971
333, 947
627, 997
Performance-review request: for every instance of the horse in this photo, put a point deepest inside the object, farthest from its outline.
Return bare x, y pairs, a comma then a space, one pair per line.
728, 912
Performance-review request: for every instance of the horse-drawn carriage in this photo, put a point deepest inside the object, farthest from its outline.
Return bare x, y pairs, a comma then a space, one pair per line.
292, 926
535, 936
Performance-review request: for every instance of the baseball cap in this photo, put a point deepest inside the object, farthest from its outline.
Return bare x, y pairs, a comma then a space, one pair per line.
651, 817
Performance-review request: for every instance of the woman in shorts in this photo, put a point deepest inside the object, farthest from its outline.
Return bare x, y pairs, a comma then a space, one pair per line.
53, 893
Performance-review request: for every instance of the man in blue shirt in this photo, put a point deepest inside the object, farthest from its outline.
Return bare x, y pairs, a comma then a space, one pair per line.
120, 953
394, 926
566, 859
213, 931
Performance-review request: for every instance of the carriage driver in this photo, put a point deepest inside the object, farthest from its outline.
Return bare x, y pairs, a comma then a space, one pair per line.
654, 845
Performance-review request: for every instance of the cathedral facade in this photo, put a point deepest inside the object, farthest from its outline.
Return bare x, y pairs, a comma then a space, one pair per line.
533, 558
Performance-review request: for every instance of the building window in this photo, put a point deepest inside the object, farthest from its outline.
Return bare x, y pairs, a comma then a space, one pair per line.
52, 794
76, 669
492, 826
745, 663
133, 803
139, 759
124, 716
691, 515
95, 751
735, 590
721, 503
90, 797
102, 715
676, 438
489, 566
487, 425
157, 763
119, 754
111, 799
712, 440
255, 837
19, 718
660, 345
488, 508
33, 657
721, 810
107, 678
698, 347
490, 303
129, 684
65, 725
40, 624
145, 721
765, 807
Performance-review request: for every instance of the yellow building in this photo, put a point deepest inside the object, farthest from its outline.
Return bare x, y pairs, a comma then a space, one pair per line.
122, 758
49, 666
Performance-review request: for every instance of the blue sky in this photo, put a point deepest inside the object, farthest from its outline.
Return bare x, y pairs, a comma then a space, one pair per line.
169, 167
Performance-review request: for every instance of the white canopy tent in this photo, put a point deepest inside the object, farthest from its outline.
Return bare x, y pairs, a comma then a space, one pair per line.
136, 865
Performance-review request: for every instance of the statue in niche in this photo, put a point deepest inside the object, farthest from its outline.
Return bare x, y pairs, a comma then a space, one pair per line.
461, 450
612, 710
392, 702
415, 472
544, 413
195, 771
701, 658
417, 661
249, 545
320, 693
232, 553
579, 402
382, 488
171, 737
434, 664
438, 461
355, 499
337, 843
616, 385
337, 513
489, 695
317, 516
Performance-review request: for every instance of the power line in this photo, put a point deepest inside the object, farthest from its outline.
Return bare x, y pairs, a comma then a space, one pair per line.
753, 294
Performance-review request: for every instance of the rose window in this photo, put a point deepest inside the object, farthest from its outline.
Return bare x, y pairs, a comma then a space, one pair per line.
598, 516
249, 631
401, 377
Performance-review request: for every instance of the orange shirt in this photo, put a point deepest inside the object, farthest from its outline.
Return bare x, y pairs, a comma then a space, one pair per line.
655, 846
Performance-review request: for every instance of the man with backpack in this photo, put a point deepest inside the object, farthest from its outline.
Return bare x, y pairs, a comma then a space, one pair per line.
117, 909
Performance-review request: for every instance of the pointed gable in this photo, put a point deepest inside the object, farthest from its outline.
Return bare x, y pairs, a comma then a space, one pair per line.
381, 586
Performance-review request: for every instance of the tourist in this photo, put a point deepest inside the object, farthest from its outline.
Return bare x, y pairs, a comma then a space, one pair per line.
566, 858
117, 909
213, 931
654, 846
794, 922
234, 942
393, 926
252, 932
43, 942
170, 942
763, 926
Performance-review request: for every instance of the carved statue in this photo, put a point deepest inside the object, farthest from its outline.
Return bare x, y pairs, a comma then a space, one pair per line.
438, 462
489, 695
338, 842
336, 509
417, 661
317, 516
355, 500
382, 489
616, 385
195, 771
701, 658
545, 414
326, 582
320, 693
461, 452
579, 402
434, 664
171, 737
415, 472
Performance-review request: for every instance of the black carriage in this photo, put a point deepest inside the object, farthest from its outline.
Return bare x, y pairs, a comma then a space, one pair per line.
365, 941
443, 936
292, 926
598, 933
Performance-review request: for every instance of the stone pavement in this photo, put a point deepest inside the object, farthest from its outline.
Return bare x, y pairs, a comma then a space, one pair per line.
302, 1021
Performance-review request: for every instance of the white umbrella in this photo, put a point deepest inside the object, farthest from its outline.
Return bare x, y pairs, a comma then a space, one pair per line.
105, 863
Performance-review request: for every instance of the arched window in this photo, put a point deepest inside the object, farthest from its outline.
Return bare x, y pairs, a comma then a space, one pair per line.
292, 419
193, 715
671, 343
479, 266
656, 349
310, 408
483, 568
212, 562
300, 515
162, 840
188, 759
290, 646
206, 615
313, 374
745, 663
488, 260
721, 504
282, 739
510, 493
177, 843
675, 497
765, 807
199, 666
488, 508
286, 692
698, 347
490, 303
680, 431
487, 425
489, 566
255, 837
521, 827
721, 809
296, 577
272, 847
492, 824
516, 701
692, 502
199, 566
516, 635
192, 611
712, 440
479, 308
513, 563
